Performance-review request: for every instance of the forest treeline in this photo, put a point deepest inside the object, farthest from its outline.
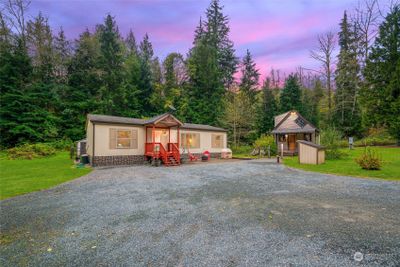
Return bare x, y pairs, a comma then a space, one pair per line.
50, 83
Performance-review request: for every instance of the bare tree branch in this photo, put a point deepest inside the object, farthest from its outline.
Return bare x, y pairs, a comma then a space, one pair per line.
324, 54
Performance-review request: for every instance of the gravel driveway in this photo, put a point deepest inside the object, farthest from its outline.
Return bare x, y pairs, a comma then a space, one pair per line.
240, 213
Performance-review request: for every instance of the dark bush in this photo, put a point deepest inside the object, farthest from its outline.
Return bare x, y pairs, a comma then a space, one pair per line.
369, 160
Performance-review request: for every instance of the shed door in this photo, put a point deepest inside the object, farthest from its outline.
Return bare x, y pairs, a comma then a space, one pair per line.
292, 142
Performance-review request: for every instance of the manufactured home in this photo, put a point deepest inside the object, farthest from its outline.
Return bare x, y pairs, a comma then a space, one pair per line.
290, 127
112, 140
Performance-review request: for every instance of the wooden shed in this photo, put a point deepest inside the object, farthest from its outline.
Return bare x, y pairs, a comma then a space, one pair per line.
310, 153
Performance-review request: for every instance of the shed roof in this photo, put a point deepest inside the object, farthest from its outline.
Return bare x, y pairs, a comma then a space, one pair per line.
292, 122
310, 144
143, 122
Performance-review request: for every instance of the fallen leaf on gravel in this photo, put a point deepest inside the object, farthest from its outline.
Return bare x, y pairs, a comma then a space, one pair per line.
94, 247
49, 249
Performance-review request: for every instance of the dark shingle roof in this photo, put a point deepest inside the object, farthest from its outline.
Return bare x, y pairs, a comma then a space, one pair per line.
114, 119
202, 127
292, 122
134, 121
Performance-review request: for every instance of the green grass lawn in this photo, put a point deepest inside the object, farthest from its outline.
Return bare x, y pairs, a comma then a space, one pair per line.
347, 166
22, 176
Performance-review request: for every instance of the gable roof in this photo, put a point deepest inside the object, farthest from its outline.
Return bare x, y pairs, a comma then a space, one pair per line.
143, 122
292, 122
161, 117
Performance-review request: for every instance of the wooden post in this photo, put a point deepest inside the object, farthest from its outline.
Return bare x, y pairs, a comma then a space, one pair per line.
153, 136
178, 138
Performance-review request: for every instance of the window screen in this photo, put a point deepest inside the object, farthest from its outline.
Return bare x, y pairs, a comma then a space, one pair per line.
190, 140
123, 138
217, 141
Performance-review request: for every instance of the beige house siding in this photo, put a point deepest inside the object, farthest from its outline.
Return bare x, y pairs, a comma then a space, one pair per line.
89, 138
205, 140
102, 140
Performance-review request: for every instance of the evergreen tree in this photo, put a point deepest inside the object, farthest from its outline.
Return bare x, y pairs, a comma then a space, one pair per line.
347, 114
130, 43
146, 86
250, 77
174, 75
204, 93
217, 36
131, 85
290, 98
381, 94
40, 45
82, 95
26, 111
267, 109
111, 60
62, 56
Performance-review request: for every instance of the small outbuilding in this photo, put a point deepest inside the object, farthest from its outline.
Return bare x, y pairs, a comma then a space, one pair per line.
290, 127
310, 153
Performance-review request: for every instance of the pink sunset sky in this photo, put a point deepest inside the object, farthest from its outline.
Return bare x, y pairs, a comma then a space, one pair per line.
279, 33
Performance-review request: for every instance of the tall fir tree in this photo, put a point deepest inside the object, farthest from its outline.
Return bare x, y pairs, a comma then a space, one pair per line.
204, 93
217, 36
130, 43
146, 85
62, 54
111, 60
40, 47
381, 93
290, 98
83, 94
250, 77
347, 113
267, 109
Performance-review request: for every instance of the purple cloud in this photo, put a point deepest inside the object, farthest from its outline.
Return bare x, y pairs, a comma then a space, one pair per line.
279, 33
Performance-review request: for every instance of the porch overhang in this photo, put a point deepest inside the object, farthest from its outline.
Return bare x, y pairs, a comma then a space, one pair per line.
166, 120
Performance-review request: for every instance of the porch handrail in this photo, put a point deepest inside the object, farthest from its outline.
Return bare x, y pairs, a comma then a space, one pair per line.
175, 151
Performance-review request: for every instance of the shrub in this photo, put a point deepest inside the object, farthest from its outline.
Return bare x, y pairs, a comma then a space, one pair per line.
264, 141
30, 151
331, 139
63, 144
369, 160
376, 137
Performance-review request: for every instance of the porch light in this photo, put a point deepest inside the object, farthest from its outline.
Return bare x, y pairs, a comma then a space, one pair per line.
286, 136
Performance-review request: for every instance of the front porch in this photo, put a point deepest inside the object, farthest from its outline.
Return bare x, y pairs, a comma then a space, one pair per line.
287, 142
162, 140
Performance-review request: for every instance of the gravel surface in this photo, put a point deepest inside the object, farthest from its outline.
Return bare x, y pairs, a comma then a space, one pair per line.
239, 213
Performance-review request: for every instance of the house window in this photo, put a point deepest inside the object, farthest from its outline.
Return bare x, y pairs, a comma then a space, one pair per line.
123, 138
217, 141
282, 138
190, 140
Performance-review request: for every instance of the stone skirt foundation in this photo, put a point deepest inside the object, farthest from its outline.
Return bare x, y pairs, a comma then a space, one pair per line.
99, 161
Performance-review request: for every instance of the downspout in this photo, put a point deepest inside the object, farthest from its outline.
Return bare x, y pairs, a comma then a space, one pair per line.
93, 142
